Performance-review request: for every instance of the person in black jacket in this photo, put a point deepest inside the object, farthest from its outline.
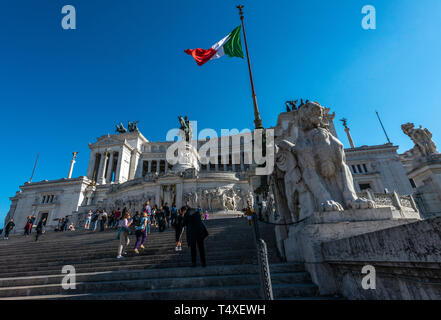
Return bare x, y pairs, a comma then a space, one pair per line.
196, 233
40, 228
161, 218
8, 228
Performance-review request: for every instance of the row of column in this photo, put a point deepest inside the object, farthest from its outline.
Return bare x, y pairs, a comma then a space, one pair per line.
107, 165
158, 166
225, 166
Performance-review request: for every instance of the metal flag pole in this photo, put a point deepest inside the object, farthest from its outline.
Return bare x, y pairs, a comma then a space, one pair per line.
33, 170
257, 119
378, 116
262, 252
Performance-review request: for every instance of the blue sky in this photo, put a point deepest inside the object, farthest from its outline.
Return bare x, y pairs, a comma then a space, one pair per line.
60, 89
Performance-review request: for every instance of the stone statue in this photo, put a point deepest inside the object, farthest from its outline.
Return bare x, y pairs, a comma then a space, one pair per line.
293, 105
120, 128
422, 138
187, 153
316, 177
345, 122
295, 189
133, 126
186, 128
229, 201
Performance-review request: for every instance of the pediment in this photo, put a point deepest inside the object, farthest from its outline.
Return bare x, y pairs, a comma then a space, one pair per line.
106, 141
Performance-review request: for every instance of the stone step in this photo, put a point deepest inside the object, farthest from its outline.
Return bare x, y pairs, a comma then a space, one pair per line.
119, 267
150, 273
235, 292
152, 284
146, 257
32, 270
92, 254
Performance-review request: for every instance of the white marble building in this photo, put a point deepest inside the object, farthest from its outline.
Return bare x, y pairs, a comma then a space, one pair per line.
126, 169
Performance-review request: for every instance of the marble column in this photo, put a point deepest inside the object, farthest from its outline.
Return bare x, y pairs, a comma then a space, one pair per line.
91, 165
166, 166
106, 164
133, 163
157, 165
110, 166
242, 166
149, 166
72, 163
118, 166
100, 174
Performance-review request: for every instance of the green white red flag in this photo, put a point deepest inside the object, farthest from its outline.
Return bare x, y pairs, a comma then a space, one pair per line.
230, 46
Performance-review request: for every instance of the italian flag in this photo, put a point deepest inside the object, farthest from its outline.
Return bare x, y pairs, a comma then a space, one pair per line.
230, 46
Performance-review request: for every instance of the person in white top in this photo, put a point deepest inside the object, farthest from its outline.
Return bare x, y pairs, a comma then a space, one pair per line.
88, 220
123, 234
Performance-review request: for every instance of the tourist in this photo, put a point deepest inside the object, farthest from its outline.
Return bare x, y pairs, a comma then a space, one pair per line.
206, 215
140, 232
173, 214
103, 220
167, 214
40, 228
148, 210
58, 227
66, 223
8, 228
162, 220
177, 224
95, 218
117, 217
33, 219
154, 220
62, 224
136, 219
249, 213
71, 227
27, 226
88, 220
196, 233
111, 218
123, 234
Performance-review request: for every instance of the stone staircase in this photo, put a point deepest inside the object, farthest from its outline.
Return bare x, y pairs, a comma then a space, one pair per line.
33, 270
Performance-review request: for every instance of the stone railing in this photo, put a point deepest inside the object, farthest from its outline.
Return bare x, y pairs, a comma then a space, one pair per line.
390, 200
406, 258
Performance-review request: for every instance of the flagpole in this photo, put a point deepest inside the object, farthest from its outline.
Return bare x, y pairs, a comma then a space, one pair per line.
35, 165
257, 119
378, 116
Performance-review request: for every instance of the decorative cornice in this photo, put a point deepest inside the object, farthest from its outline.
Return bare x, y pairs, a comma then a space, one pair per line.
62, 181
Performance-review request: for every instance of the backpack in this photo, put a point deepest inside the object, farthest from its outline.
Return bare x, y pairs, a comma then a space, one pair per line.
136, 221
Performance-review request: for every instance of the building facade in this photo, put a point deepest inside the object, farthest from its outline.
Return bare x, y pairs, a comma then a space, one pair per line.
125, 170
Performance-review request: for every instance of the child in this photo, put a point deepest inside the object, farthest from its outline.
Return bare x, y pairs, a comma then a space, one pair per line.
123, 234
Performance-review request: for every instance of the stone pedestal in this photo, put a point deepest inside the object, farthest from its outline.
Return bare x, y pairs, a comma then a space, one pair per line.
304, 242
188, 158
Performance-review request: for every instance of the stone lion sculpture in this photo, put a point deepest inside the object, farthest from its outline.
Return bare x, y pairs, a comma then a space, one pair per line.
316, 175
